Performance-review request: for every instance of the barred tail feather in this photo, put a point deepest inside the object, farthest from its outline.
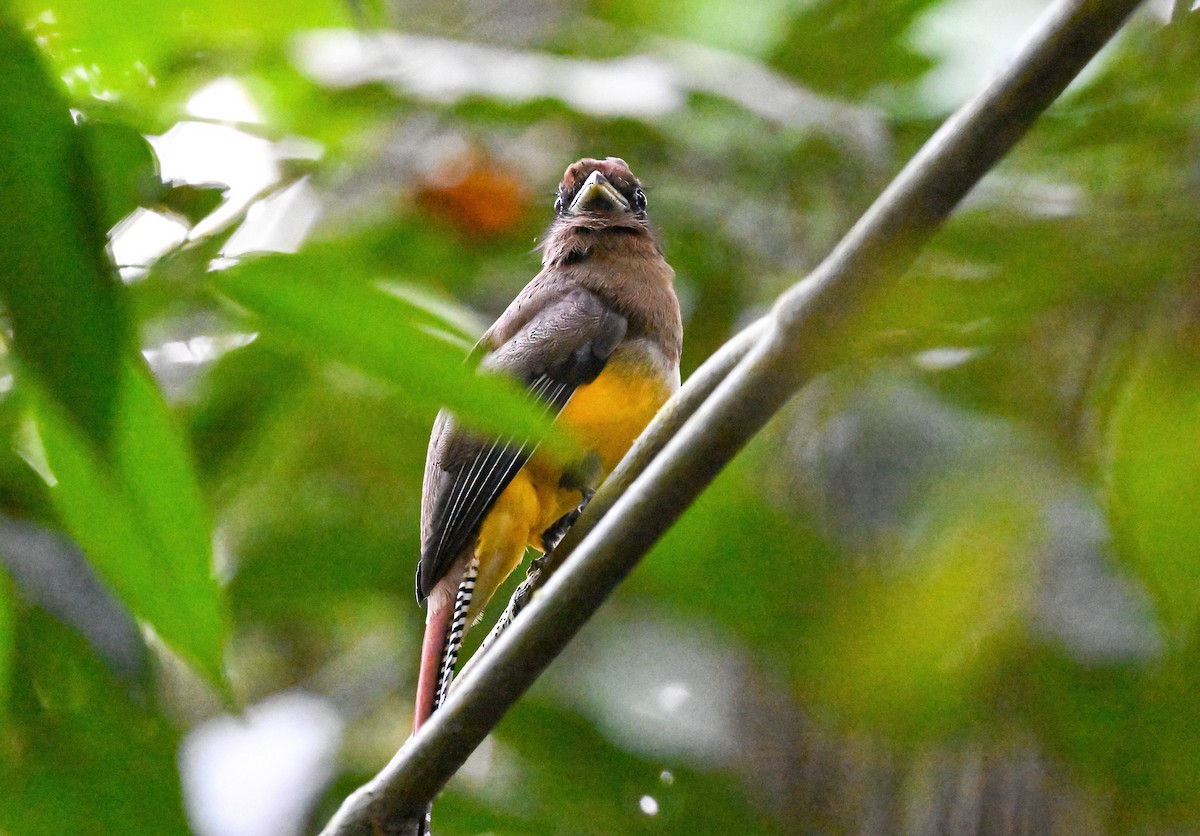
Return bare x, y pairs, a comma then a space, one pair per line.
458, 626
443, 640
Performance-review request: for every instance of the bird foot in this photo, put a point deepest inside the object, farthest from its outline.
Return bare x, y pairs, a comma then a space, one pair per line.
554, 535
536, 565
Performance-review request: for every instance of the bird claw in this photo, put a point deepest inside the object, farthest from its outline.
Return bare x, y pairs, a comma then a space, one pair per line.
554, 535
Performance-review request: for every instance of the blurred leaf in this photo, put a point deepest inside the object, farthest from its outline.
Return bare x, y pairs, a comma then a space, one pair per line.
907, 652
567, 778
51, 572
191, 201
127, 173
81, 755
901, 648
849, 48
1132, 734
334, 482
141, 519
61, 292
7, 641
309, 298
125, 53
1153, 465
370, 14
236, 407
744, 27
126, 169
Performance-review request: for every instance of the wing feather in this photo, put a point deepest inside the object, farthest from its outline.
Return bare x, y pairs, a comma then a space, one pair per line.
558, 350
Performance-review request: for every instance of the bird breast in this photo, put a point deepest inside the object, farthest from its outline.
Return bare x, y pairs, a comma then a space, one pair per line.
609, 413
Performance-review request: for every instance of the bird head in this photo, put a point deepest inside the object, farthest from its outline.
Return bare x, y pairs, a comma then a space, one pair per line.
601, 193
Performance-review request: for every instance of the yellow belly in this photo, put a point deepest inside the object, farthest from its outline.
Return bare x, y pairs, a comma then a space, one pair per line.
606, 415
609, 413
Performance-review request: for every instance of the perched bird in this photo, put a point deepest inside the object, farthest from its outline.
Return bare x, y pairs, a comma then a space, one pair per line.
596, 337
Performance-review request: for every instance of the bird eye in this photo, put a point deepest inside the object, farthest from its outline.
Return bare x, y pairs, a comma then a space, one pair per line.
639, 200
558, 205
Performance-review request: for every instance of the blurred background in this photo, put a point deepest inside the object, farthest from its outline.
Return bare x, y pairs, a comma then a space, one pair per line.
952, 588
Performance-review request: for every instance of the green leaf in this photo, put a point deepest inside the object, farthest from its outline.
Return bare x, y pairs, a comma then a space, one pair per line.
309, 298
847, 49
53, 574
102, 52
192, 202
126, 169
85, 755
62, 294
1153, 468
140, 518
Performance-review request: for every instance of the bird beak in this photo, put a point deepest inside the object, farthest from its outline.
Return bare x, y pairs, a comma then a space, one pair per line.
598, 195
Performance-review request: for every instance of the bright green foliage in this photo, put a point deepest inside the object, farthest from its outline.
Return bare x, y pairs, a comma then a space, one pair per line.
320, 305
955, 578
1152, 464
140, 517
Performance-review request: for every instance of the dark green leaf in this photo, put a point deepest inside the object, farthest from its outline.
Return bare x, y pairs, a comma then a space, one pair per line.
61, 292
126, 169
82, 755
51, 572
192, 202
849, 48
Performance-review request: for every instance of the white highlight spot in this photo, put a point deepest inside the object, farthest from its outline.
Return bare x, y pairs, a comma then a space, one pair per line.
280, 223
142, 237
672, 696
649, 805
443, 70
224, 100
198, 152
195, 351
939, 359
260, 774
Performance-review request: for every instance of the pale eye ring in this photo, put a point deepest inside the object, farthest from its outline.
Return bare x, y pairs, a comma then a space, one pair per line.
639, 200
558, 205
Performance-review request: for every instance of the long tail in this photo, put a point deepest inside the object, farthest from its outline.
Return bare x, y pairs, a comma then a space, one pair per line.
444, 629
444, 632
458, 627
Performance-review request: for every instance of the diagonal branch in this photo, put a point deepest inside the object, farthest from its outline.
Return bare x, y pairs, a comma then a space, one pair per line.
666, 423
810, 328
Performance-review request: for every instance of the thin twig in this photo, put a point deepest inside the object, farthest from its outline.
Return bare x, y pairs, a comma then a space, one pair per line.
808, 329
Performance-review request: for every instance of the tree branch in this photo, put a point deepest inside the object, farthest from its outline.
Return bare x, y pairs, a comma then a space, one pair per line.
649, 444
809, 329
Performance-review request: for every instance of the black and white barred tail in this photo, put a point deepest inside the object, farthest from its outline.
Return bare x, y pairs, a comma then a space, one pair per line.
454, 639
458, 626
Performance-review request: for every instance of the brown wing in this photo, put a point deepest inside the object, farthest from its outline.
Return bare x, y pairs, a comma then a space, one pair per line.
560, 348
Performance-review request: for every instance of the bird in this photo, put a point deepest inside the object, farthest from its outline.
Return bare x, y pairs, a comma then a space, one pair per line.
596, 338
